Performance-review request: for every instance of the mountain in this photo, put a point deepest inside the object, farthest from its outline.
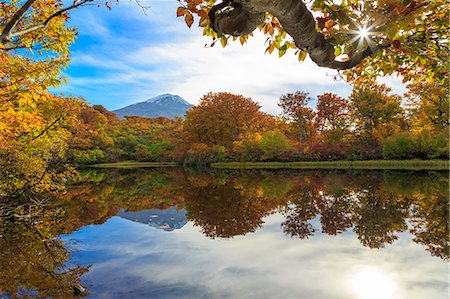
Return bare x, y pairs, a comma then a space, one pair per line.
168, 220
167, 105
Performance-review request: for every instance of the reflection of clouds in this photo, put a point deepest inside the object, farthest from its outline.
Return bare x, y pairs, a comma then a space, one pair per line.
144, 262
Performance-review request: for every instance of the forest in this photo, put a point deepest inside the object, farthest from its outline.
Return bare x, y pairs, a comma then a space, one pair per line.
46, 136
370, 124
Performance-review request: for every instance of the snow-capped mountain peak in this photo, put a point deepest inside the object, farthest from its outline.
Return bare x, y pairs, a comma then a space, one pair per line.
167, 105
168, 98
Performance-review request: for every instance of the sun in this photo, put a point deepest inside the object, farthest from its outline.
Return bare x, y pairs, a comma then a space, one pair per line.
363, 32
371, 283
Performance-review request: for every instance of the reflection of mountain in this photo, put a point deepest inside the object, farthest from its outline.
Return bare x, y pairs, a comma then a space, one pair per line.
168, 220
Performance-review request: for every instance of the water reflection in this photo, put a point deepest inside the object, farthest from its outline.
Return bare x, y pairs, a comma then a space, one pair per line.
378, 208
33, 264
372, 283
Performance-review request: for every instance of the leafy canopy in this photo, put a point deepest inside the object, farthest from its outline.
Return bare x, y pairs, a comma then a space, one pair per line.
412, 34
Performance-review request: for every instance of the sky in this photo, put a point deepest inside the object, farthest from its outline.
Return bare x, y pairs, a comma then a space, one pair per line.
125, 56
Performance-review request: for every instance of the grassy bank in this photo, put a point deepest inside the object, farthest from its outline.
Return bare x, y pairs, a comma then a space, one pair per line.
371, 164
134, 164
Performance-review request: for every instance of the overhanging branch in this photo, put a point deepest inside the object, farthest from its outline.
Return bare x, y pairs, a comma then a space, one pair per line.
296, 20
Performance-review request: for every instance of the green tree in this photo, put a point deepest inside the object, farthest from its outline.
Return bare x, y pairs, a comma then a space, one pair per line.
376, 113
429, 105
274, 145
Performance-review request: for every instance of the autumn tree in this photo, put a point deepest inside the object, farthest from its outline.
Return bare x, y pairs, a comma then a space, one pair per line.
221, 118
332, 116
377, 114
295, 106
33, 121
144, 139
429, 104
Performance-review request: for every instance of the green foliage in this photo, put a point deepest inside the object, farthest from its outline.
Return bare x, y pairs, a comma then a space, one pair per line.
87, 157
376, 113
274, 145
248, 148
416, 146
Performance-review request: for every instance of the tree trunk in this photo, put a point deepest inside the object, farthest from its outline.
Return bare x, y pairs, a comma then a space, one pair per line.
296, 20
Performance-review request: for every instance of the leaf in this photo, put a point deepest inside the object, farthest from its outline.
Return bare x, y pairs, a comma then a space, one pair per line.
204, 21
181, 11
224, 41
337, 51
270, 48
189, 19
282, 50
302, 55
329, 24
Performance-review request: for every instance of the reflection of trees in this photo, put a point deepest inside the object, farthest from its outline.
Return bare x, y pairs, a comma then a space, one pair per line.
378, 217
225, 204
429, 209
297, 221
226, 207
431, 225
32, 262
376, 208
96, 202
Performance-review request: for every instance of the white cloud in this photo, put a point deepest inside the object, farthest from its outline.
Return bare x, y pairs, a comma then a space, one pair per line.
264, 264
141, 56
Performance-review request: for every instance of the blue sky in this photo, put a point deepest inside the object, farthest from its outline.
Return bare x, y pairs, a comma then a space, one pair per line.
124, 56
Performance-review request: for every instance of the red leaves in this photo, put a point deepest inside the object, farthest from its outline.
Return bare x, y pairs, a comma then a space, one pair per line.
188, 17
181, 11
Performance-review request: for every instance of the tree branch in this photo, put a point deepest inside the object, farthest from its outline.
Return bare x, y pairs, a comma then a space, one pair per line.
6, 35
296, 20
15, 19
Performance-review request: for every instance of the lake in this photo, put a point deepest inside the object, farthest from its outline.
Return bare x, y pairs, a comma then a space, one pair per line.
173, 233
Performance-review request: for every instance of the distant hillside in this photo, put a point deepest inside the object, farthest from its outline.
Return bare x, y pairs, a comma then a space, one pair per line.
167, 105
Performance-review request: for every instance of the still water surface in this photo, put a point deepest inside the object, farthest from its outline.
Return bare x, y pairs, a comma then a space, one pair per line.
239, 234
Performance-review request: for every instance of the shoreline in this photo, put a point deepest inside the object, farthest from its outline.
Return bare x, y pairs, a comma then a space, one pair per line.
342, 164
133, 164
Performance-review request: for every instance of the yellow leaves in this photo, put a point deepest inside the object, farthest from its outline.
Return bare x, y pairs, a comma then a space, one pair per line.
224, 41
242, 39
302, 55
337, 51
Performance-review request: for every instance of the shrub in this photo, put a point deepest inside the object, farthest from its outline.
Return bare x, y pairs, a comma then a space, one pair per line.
406, 145
248, 149
274, 145
202, 155
329, 151
89, 156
